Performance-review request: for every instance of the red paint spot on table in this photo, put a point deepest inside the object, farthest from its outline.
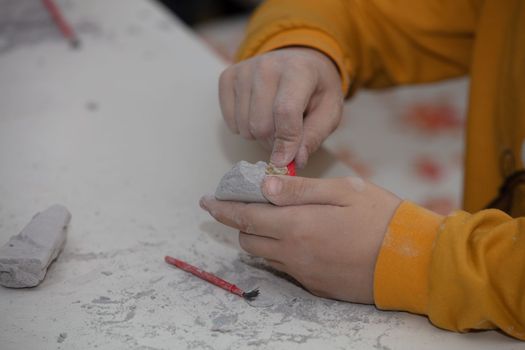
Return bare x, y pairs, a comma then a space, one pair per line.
428, 169
432, 119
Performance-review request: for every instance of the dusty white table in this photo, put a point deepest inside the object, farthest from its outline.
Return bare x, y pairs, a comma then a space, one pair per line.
127, 133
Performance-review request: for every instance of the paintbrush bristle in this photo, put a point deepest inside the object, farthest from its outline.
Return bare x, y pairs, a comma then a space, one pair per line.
251, 294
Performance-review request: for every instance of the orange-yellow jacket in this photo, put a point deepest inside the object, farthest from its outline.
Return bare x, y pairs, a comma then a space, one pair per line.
467, 270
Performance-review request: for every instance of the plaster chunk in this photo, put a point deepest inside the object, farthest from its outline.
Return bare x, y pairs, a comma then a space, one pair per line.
24, 259
243, 183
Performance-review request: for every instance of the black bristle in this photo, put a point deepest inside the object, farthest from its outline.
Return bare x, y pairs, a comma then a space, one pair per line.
251, 294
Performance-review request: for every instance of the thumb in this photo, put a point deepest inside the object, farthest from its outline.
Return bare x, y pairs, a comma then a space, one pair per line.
285, 190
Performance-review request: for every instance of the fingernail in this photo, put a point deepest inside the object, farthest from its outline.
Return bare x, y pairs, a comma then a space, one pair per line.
273, 185
203, 202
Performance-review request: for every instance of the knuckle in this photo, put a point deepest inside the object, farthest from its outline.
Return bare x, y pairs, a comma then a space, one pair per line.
285, 110
253, 126
258, 129
264, 63
243, 242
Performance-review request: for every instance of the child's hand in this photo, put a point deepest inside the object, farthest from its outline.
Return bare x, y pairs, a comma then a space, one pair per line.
267, 97
325, 233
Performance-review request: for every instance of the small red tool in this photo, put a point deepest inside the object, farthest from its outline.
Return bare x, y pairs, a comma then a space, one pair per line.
291, 168
219, 282
60, 20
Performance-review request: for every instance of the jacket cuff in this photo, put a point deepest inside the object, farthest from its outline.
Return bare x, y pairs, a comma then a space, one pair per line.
401, 277
305, 37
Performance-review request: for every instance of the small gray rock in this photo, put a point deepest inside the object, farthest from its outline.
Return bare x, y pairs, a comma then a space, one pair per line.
243, 183
24, 259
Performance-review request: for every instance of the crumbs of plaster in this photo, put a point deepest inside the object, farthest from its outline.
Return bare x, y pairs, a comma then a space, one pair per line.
408, 250
273, 170
404, 248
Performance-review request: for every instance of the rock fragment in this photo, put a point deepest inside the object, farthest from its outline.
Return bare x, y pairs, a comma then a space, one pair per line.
24, 259
243, 183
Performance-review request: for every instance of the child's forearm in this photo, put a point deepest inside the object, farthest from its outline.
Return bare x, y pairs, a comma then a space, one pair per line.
464, 271
374, 43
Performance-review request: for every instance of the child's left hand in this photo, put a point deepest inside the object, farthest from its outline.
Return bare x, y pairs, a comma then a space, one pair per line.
326, 233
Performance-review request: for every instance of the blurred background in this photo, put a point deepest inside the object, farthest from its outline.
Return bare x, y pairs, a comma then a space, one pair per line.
220, 22
196, 12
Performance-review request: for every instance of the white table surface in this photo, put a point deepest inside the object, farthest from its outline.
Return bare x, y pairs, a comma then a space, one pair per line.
127, 133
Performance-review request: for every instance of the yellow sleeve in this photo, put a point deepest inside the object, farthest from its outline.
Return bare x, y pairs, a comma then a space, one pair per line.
374, 43
465, 271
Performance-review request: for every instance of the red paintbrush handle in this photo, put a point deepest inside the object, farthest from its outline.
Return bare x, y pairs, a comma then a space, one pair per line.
64, 27
219, 282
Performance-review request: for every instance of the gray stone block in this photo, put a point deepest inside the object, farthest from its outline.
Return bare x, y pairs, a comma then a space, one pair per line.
24, 259
243, 183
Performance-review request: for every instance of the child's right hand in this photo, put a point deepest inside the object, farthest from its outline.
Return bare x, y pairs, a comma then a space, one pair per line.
290, 100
